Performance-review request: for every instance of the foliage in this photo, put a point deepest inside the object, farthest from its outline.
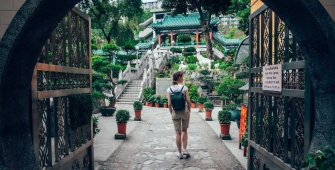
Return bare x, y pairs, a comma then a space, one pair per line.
176, 50
191, 67
321, 160
201, 99
230, 54
190, 49
96, 97
163, 74
110, 48
122, 82
80, 110
175, 60
111, 100
102, 65
157, 98
224, 116
147, 93
122, 116
230, 87
191, 59
204, 72
184, 38
137, 105
99, 82
209, 105
151, 99
232, 107
205, 8
175, 66
242, 75
164, 100
204, 55
231, 69
244, 140
106, 14
241, 10
96, 129
193, 93
125, 58
129, 46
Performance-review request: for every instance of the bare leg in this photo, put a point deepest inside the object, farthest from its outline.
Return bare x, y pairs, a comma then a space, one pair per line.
184, 137
178, 140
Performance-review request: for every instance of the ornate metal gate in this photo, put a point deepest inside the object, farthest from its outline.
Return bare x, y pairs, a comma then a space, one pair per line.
280, 123
63, 68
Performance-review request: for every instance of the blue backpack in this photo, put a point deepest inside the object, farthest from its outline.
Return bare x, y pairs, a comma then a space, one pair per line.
178, 99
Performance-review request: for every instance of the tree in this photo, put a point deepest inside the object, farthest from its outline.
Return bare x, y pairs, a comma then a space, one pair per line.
183, 38
241, 9
205, 8
107, 14
129, 46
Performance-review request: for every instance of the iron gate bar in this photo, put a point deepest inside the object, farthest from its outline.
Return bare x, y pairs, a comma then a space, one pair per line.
276, 42
269, 148
66, 126
49, 146
293, 134
287, 36
285, 159
56, 136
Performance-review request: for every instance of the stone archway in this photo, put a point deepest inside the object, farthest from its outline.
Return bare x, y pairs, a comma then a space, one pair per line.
19, 49
315, 32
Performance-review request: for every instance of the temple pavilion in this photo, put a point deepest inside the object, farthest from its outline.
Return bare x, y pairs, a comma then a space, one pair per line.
163, 29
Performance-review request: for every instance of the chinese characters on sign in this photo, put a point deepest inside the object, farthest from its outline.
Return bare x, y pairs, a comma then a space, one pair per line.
272, 78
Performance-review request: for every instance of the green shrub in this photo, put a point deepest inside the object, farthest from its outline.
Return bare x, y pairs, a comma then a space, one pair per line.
147, 92
151, 99
190, 49
157, 98
96, 130
244, 140
191, 67
242, 75
175, 60
201, 99
204, 72
122, 82
175, 66
230, 87
137, 105
122, 116
176, 50
191, 59
231, 69
193, 93
224, 116
209, 105
164, 100
321, 160
112, 100
204, 55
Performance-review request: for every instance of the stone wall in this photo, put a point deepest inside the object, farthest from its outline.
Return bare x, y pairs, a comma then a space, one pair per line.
8, 9
162, 84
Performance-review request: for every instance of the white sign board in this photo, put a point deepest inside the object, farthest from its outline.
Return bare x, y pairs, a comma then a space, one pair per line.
272, 78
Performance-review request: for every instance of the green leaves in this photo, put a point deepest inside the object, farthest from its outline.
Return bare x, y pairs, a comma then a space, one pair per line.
122, 116
230, 87
321, 160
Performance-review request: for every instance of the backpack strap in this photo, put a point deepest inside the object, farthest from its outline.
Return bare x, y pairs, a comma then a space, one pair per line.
182, 89
171, 90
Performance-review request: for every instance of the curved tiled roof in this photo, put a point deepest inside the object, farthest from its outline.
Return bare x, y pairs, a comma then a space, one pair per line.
190, 20
226, 41
147, 44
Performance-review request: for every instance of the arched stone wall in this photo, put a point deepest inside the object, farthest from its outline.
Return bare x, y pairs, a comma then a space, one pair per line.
19, 49
315, 31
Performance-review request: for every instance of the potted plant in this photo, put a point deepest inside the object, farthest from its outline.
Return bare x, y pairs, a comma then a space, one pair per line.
164, 101
244, 143
209, 106
122, 117
151, 101
224, 120
147, 93
201, 100
137, 108
193, 93
157, 100
112, 101
110, 109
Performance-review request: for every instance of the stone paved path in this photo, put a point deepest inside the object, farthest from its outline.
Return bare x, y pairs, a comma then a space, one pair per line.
151, 145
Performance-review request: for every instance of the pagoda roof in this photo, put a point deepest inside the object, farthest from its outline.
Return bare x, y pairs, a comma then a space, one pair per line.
181, 21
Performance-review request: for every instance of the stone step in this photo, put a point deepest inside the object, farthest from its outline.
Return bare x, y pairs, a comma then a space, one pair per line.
129, 95
130, 92
130, 103
126, 100
133, 90
134, 85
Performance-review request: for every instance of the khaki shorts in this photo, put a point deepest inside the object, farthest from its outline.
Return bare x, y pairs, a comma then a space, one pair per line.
181, 119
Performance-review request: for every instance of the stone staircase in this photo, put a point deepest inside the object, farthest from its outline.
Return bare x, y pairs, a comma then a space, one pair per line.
130, 93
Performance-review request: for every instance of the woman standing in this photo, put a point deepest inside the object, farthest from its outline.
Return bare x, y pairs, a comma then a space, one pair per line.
179, 106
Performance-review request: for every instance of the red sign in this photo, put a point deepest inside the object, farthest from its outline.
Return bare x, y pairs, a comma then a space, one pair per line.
243, 120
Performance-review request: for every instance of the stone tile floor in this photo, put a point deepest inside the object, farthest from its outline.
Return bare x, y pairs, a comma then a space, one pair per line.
151, 145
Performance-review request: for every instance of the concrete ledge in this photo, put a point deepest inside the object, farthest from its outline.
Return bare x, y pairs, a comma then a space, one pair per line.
137, 119
225, 137
208, 119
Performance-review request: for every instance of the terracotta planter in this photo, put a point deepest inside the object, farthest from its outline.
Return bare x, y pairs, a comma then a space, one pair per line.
201, 106
137, 113
146, 103
151, 104
225, 129
245, 151
112, 105
121, 128
208, 113
157, 105
165, 105
193, 105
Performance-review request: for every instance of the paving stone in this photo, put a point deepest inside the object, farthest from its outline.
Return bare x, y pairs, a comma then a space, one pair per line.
151, 145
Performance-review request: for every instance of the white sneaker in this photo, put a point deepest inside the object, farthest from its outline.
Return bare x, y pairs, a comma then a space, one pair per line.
185, 153
180, 155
